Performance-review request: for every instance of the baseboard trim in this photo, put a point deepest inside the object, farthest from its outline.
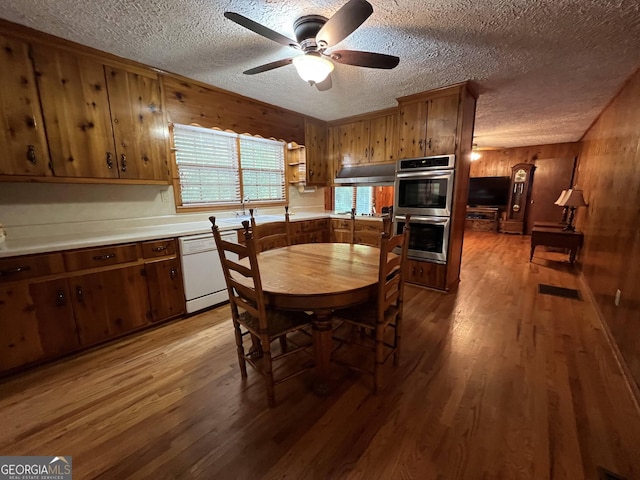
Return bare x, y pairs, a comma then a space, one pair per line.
632, 386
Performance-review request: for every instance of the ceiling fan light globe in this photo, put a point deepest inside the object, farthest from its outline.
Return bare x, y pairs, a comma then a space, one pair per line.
312, 68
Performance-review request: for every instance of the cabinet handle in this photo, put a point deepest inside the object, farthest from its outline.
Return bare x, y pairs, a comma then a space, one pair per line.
60, 298
79, 294
371, 152
109, 160
11, 271
429, 144
311, 173
31, 154
123, 162
105, 257
173, 273
159, 249
366, 152
420, 270
420, 142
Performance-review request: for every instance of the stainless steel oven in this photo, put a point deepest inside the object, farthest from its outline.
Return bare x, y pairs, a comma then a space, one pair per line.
424, 186
428, 236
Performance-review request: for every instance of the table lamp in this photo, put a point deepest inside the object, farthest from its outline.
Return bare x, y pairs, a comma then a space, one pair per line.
573, 199
559, 201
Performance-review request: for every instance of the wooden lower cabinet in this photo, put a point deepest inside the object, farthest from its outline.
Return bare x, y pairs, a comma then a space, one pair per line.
50, 307
310, 231
109, 303
36, 321
428, 274
166, 292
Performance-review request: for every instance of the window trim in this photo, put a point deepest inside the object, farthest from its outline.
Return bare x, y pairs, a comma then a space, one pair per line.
190, 208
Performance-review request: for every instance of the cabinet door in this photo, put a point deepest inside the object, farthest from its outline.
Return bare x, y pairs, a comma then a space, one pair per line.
22, 136
317, 167
74, 99
109, 303
412, 130
166, 293
382, 134
354, 143
442, 125
36, 321
333, 151
367, 232
432, 275
138, 124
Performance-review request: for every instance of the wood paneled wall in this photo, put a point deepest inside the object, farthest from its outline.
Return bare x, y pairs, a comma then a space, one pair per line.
609, 174
498, 163
188, 101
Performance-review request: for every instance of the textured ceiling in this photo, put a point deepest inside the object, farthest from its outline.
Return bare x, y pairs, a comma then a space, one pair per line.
545, 68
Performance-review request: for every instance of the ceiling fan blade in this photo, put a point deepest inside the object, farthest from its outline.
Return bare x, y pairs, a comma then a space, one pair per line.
325, 85
364, 59
260, 29
268, 66
344, 22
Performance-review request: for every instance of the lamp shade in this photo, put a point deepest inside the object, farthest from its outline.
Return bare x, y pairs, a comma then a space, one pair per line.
574, 198
561, 197
312, 68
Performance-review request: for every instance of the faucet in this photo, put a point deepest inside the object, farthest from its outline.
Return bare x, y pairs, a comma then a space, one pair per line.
244, 201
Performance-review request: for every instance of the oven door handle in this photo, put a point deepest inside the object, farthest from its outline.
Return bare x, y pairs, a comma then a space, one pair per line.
429, 174
432, 220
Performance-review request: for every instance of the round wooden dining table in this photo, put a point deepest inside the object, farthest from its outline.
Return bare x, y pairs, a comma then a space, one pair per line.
319, 277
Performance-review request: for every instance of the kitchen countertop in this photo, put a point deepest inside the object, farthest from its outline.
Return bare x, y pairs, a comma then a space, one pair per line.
58, 241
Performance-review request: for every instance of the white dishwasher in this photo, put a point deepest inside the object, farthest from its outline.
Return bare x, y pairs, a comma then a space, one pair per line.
204, 283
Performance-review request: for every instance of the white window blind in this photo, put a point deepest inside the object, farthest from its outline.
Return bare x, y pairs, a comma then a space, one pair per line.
210, 162
262, 163
360, 198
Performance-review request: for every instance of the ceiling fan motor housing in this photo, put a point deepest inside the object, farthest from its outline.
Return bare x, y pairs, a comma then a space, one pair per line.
306, 28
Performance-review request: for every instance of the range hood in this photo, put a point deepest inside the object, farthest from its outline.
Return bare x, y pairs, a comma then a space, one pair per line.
372, 174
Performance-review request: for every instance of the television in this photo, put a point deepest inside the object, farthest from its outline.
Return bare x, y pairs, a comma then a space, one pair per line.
489, 191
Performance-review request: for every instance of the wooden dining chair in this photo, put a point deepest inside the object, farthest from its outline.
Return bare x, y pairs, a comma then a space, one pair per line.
378, 319
273, 234
250, 315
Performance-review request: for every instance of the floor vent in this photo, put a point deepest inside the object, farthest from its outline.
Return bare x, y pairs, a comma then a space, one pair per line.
604, 474
559, 291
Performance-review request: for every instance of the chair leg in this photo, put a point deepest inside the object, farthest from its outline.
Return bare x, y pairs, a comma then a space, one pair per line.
240, 349
268, 370
378, 357
396, 341
283, 343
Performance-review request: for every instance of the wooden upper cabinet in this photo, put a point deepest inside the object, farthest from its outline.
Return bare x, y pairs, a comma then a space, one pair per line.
317, 164
428, 127
382, 132
138, 125
354, 142
75, 104
22, 134
412, 130
442, 125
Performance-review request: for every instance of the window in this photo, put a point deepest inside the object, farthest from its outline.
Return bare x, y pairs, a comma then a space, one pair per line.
360, 198
217, 167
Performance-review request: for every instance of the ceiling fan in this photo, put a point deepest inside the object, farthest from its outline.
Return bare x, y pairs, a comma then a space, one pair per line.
315, 34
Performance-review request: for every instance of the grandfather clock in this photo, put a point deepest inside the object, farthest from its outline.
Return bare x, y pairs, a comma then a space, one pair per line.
516, 215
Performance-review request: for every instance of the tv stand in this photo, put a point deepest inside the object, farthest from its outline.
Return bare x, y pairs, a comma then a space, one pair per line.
482, 218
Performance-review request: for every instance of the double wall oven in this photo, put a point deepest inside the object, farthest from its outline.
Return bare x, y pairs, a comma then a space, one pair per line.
424, 189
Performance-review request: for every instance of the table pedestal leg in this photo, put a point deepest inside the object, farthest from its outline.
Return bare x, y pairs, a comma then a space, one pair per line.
322, 344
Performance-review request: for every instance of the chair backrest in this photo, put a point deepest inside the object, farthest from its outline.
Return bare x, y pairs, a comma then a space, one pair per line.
391, 270
273, 234
243, 283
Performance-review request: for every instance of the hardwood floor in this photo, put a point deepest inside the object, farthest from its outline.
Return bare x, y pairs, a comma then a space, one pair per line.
496, 382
